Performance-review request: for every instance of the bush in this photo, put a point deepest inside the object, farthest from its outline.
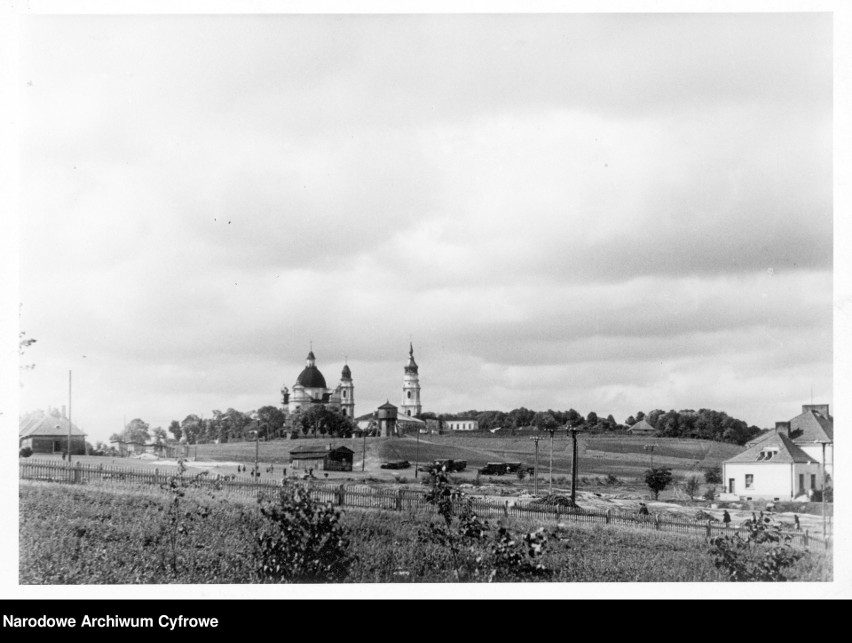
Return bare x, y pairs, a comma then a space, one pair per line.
657, 480
26, 452
713, 475
303, 540
736, 556
710, 494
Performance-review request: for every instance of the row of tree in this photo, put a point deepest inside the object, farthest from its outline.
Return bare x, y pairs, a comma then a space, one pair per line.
705, 424
268, 422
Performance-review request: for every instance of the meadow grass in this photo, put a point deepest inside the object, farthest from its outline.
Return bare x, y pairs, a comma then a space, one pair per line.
92, 535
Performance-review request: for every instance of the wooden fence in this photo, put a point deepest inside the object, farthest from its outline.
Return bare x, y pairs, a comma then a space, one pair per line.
365, 497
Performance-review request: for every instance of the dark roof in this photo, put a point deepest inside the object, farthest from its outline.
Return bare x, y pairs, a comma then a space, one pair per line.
39, 423
811, 426
411, 367
346, 374
642, 426
462, 419
311, 378
387, 405
787, 453
317, 451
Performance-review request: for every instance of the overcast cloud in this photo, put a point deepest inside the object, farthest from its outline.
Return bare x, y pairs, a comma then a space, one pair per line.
601, 212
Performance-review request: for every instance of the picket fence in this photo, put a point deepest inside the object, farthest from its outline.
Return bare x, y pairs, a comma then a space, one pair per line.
365, 497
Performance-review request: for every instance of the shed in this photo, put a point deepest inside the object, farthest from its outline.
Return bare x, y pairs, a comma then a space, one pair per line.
322, 458
641, 428
45, 433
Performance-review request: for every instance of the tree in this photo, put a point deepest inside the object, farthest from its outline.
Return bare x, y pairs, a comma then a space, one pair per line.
271, 419
592, 419
136, 431
692, 486
573, 418
320, 420
175, 430
658, 479
160, 436
545, 422
713, 475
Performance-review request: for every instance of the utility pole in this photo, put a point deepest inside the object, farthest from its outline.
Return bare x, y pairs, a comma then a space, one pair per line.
574, 466
824, 528
417, 454
551, 460
256, 452
69, 418
535, 439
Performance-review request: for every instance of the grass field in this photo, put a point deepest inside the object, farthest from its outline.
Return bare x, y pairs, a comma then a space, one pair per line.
87, 535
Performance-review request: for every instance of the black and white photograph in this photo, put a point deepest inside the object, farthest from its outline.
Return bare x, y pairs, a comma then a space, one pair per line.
424, 301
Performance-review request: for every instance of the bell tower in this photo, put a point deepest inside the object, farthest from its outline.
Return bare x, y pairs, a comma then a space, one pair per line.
410, 387
347, 392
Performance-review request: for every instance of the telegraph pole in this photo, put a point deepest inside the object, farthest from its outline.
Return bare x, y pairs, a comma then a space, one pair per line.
535, 439
574, 466
69, 418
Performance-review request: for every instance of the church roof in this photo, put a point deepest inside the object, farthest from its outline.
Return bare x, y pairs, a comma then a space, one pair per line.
346, 373
311, 377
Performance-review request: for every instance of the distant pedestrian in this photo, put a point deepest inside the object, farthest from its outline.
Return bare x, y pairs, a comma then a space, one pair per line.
643, 510
796, 525
63, 456
726, 518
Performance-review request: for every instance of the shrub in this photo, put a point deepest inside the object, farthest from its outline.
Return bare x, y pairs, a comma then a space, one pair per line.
303, 540
710, 494
611, 479
713, 475
26, 452
735, 555
657, 480
692, 486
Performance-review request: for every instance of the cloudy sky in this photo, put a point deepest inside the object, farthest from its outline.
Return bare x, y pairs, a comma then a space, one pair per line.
611, 213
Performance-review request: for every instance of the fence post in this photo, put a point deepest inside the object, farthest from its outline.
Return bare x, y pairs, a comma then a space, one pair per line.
78, 472
657, 522
341, 495
398, 500
557, 512
709, 533
806, 537
608, 516
506, 508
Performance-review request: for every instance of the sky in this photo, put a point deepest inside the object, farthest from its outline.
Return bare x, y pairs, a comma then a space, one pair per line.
605, 212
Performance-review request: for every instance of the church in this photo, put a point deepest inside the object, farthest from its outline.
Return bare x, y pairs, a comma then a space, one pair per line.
311, 389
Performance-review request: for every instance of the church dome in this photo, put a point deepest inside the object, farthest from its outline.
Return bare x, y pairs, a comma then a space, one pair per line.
346, 374
311, 378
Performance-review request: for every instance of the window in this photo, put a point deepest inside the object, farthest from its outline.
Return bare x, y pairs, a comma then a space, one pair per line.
409, 395
813, 481
749, 480
344, 393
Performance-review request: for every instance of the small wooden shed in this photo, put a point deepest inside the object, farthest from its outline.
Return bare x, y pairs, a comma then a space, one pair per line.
322, 458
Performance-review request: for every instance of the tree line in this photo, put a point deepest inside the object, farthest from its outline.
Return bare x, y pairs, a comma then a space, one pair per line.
705, 424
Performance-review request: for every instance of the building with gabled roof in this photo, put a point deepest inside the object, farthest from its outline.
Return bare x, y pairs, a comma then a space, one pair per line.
48, 433
642, 427
812, 431
771, 468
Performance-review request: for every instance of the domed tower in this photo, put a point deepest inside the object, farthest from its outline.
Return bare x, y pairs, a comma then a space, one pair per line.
410, 387
309, 386
347, 392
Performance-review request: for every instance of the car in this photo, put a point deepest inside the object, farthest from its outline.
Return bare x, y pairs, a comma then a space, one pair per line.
396, 464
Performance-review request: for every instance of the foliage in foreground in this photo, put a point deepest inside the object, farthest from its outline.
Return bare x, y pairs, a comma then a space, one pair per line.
477, 551
735, 555
301, 541
91, 535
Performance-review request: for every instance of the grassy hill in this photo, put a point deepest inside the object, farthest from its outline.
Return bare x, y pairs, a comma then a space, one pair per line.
598, 455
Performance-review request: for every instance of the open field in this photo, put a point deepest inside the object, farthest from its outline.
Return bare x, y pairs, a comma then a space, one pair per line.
79, 534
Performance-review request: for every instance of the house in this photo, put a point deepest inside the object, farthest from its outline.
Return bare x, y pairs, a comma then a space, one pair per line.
641, 428
322, 458
773, 468
462, 424
48, 433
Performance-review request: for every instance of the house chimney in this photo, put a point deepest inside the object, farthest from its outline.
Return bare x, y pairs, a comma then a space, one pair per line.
822, 409
782, 427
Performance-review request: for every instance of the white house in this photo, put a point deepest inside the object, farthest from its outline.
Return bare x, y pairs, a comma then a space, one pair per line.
462, 424
773, 468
